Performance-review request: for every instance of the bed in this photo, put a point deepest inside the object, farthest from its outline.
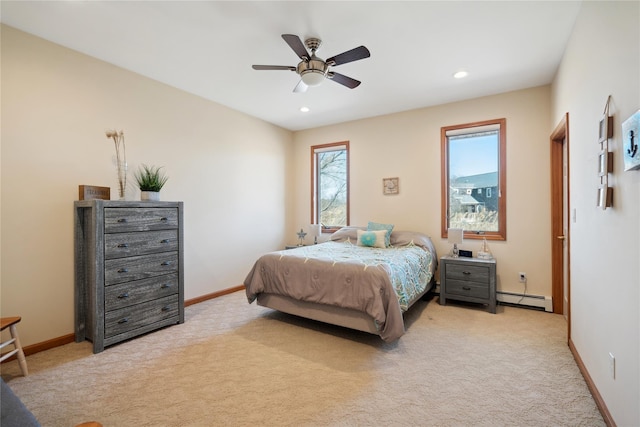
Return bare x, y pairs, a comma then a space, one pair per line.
352, 280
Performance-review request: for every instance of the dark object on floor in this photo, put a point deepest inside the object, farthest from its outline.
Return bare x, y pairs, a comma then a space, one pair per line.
13, 413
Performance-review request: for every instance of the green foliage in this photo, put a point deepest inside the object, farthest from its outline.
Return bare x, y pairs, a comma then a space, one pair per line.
150, 178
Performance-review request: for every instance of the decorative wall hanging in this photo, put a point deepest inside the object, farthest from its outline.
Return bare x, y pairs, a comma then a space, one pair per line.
605, 159
630, 133
390, 186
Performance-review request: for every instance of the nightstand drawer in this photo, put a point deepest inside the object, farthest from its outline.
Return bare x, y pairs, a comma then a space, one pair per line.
468, 289
472, 273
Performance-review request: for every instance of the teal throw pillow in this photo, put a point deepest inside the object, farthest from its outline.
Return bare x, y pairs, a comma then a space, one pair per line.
374, 226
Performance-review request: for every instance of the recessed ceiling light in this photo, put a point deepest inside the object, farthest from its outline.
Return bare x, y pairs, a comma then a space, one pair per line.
304, 109
460, 74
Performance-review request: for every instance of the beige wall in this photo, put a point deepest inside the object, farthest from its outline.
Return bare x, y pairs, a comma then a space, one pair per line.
602, 59
407, 145
231, 170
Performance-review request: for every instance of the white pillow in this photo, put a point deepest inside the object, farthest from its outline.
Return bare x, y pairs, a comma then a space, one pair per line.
372, 226
373, 239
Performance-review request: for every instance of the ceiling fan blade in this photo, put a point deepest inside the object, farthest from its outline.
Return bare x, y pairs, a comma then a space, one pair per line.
300, 87
295, 43
273, 67
354, 54
344, 80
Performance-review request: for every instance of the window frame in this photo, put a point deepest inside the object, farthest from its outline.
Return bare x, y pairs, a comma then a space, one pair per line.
501, 234
314, 181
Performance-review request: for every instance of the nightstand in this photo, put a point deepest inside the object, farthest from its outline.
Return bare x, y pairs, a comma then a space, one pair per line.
468, 279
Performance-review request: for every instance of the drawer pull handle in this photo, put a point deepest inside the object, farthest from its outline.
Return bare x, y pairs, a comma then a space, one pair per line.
165, 286
123, 245
466, 273
123, 270
164, 219
164, 241
164, 263
123, 320
121, 220
466, 288
124, 295
166, 308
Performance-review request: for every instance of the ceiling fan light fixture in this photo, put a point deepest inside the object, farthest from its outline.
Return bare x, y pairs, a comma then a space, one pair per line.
312, 77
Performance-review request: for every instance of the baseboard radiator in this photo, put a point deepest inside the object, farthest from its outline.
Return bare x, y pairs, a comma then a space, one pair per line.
538, 301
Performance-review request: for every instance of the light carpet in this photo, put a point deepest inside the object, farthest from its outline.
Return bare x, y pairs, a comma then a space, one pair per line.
235, 364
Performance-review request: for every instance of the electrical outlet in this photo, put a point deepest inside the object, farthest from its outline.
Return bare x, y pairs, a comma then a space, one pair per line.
522, 277
612, 365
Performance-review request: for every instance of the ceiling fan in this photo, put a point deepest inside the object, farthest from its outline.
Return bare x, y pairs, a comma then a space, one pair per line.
314, 70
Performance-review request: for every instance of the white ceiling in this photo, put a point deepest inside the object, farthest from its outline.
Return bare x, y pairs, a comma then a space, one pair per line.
207, 48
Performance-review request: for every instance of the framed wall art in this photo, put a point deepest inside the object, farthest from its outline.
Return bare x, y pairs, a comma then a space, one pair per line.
605, 163
605, 158
630, 132
390, 186
605, 128
605, 197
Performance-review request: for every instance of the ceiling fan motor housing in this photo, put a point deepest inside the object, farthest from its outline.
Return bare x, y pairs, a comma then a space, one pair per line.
313, 71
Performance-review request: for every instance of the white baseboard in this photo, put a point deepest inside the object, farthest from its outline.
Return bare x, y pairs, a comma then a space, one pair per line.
528, 300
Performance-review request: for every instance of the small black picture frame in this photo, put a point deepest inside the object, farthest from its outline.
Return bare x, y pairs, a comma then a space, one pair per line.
465, 254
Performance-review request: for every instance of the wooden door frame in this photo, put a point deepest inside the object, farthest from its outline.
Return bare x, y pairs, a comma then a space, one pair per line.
559, 137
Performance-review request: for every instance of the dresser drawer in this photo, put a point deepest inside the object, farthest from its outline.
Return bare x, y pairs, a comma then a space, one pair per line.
138, 291
121, 220
468, 289
136, 316
471, 273
118, 245
121, 270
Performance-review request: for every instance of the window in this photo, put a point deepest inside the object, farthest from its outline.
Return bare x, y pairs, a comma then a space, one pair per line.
474, 158
330, 185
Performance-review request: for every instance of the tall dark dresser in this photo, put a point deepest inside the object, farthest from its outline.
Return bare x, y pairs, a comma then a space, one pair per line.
129, 269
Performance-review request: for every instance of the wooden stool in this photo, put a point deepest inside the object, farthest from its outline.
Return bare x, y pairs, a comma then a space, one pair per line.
11, 322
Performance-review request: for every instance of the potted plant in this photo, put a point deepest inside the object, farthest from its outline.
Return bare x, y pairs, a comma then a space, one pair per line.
150, 180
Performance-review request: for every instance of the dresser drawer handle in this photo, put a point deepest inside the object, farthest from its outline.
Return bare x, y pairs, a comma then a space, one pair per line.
166, 308
165, 263
123, 295
122, 220
123, 270
164, 219
123, 245
466, 288
466, 273
165, 286
123, 320
164, 241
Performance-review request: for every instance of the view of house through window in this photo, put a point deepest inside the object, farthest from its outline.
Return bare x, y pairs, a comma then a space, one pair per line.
473, 183
330, 185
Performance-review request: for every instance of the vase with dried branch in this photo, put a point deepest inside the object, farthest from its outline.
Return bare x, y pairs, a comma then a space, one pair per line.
121, 160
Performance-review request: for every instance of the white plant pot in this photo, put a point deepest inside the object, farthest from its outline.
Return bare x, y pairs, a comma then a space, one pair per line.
152, 196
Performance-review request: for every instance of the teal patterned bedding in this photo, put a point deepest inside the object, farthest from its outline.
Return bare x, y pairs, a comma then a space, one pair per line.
380, 282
